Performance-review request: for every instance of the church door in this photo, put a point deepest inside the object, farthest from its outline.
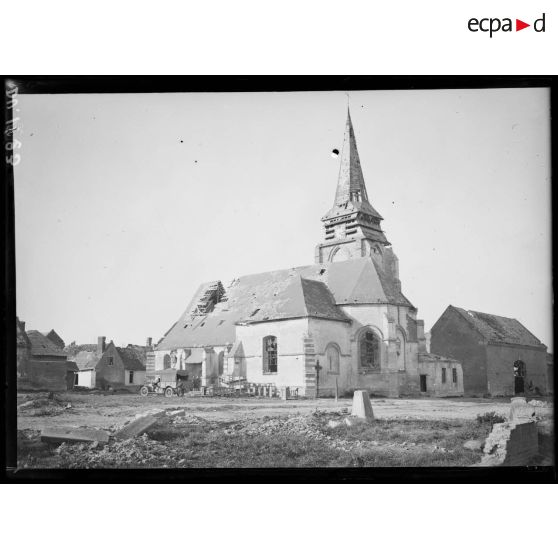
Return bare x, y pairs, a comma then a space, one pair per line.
519, 376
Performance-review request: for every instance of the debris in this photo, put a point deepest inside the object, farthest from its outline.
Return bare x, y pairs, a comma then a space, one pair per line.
362, 407
334, 423
351, 421
136, 427
151, 413
475, 445
59, 435
511, 443
520, 410
35, 403
177, 413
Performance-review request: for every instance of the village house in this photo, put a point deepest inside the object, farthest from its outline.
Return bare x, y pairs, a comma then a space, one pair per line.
499, 355
41, 361
86, 360
120, 368
340, 324
123, 367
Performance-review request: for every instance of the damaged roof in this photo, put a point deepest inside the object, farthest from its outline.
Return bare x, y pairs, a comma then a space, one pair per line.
315, 291
130, 358
87, 360
42, 346
499, 329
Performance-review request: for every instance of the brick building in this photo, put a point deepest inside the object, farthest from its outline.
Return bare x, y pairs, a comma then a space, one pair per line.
499, 355
343, 321
41, 361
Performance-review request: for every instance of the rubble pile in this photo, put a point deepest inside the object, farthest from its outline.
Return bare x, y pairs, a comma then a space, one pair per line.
43, 406
118, 454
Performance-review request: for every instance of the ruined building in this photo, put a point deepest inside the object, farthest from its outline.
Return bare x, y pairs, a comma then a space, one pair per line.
342, 323
500, 356
41, 361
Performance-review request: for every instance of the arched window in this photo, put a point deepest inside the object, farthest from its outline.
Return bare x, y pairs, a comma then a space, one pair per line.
166, 361
369, 350
332, 359
269, 354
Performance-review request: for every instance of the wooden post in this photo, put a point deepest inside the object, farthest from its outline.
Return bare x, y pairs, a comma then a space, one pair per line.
336, 391
318, 368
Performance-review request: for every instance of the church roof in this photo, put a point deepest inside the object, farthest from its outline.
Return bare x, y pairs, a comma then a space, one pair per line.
314, 291
499, 329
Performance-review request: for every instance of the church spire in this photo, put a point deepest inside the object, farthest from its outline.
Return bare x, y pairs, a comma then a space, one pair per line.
350, 183
352, 225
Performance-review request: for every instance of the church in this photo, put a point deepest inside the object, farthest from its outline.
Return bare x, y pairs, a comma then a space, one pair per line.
340, 324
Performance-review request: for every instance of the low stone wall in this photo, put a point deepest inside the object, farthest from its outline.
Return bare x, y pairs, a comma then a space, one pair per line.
511, 444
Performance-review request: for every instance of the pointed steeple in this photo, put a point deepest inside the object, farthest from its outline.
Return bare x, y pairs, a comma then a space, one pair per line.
350, 184
352, 225
351, 194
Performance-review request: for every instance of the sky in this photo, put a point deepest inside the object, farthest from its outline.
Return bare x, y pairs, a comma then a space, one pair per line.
125, 203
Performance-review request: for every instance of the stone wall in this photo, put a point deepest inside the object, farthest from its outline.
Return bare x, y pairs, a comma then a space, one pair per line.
500, 359
432, 367
452, 336
51, 375
290, 351
511, 444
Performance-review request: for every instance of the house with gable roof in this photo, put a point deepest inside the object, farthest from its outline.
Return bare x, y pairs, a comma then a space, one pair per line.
499, 355
120, 368
342, 323
41, 362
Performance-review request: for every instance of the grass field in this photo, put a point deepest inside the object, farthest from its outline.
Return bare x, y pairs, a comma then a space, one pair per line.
258, 433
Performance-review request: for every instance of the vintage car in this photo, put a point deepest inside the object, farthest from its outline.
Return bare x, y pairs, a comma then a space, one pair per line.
168, 382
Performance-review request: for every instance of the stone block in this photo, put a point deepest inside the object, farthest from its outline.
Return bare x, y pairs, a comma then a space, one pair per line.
59, 435
136, 428
362, 408
511, 444
176, 413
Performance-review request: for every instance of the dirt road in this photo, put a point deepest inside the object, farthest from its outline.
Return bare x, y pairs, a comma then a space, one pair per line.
112, 411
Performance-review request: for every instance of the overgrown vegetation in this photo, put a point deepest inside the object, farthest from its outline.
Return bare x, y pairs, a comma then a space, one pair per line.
491, 418
271, 442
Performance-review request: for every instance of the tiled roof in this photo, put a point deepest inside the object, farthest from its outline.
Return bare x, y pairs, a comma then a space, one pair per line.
499, 329
41, 346
86, 360
310, 291
130, 359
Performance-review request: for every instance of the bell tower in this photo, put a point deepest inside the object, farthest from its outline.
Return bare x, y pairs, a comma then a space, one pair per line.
352, 225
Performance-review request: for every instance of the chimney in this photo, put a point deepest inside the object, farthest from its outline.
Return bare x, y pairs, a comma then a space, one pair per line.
101, 344
148, 342
420, 337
